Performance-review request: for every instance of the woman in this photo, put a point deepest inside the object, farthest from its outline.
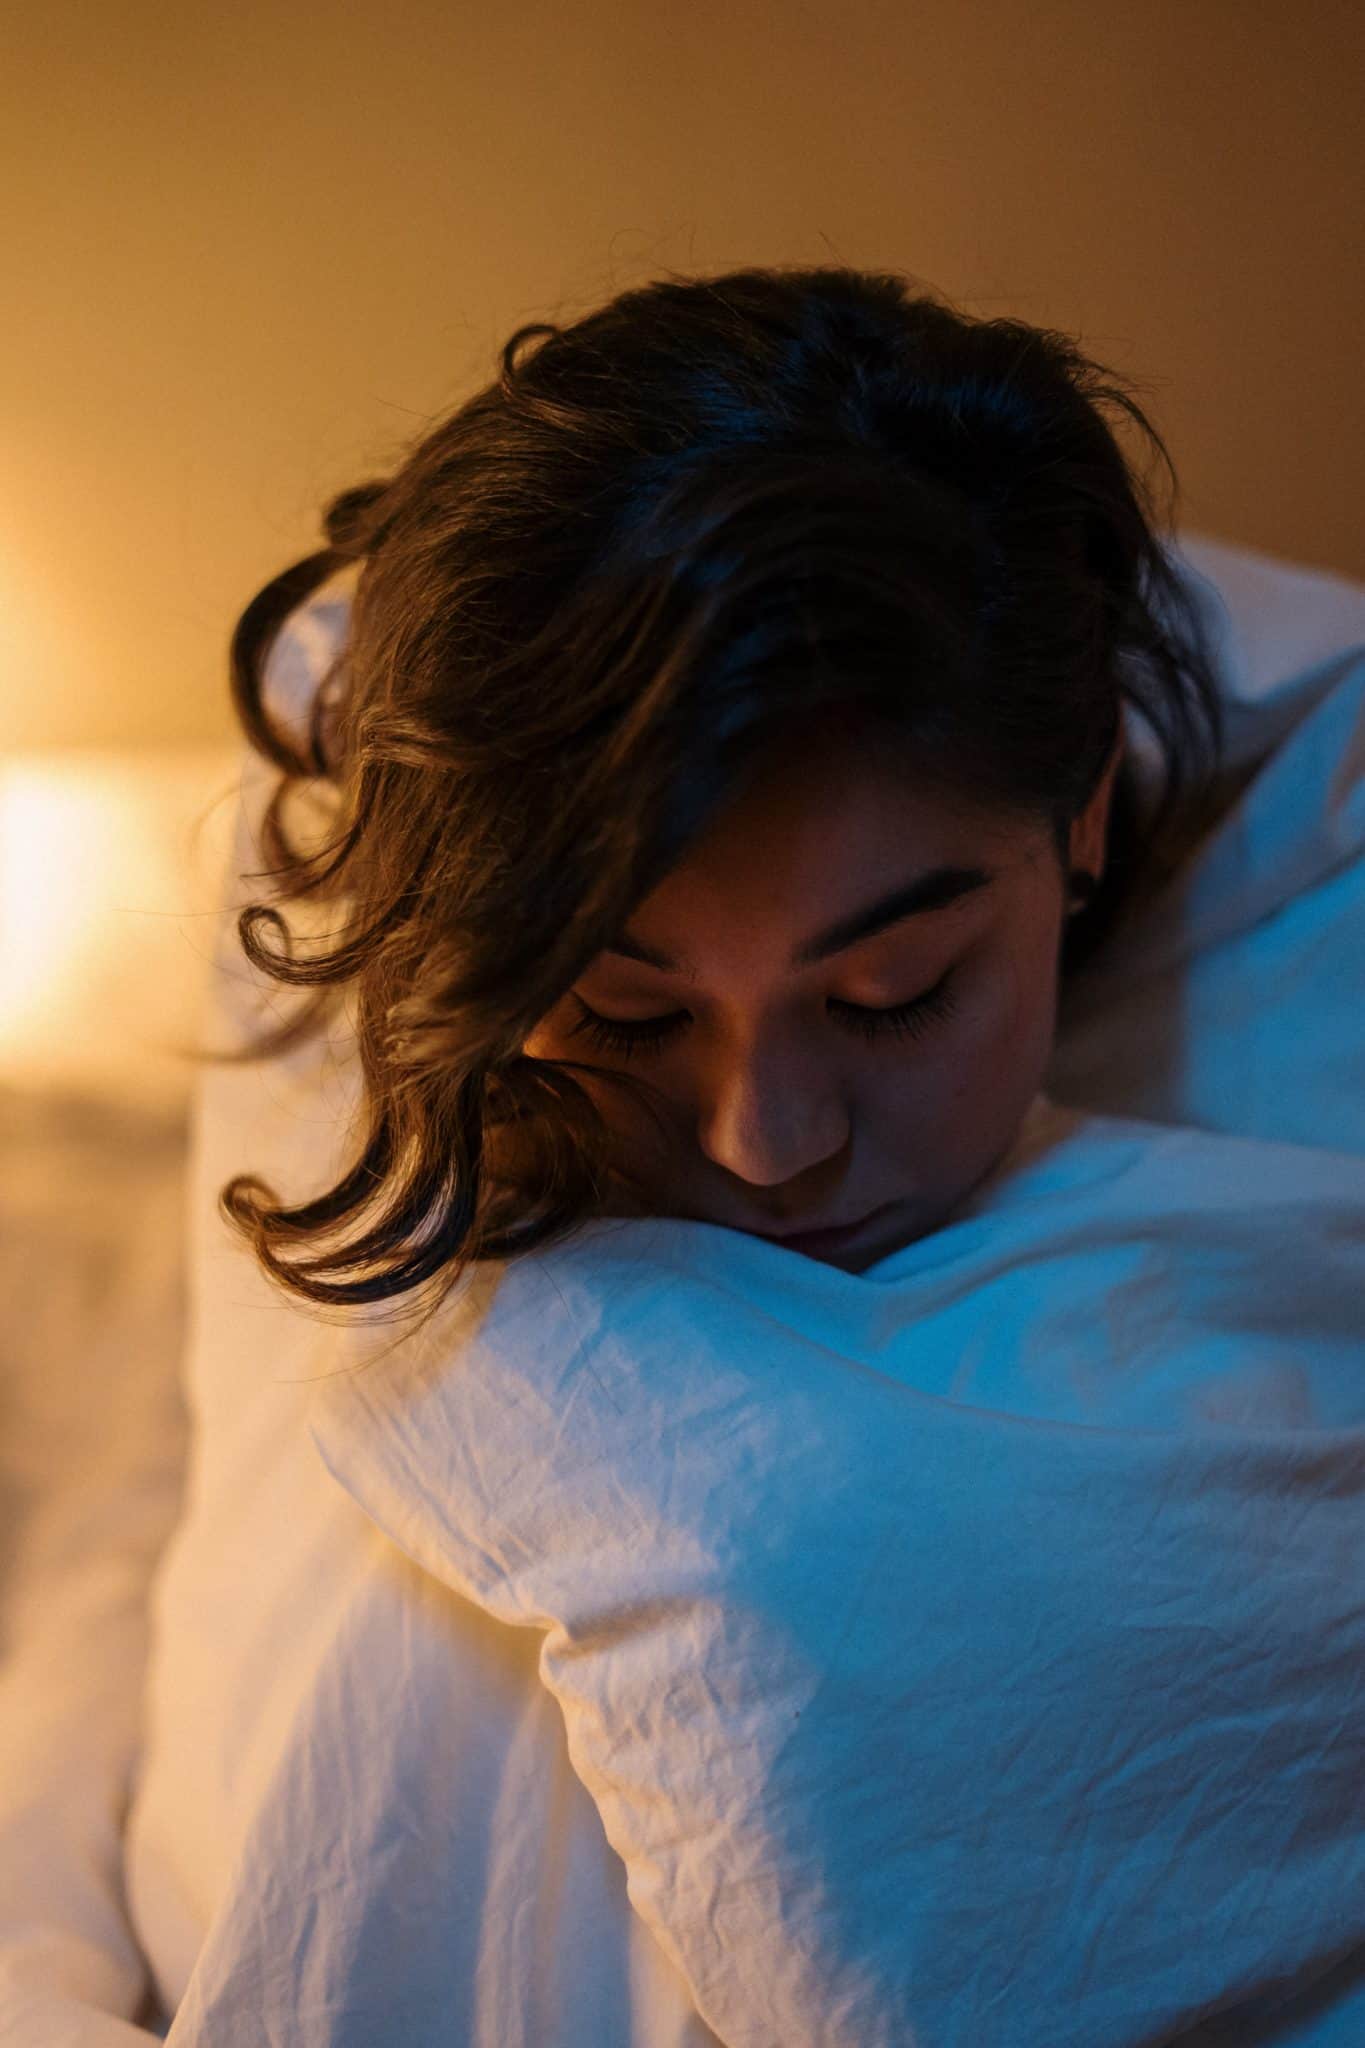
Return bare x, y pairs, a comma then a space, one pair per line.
778, 626
729, 760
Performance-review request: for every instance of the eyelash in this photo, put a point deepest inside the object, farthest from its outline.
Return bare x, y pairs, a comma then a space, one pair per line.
912, 1018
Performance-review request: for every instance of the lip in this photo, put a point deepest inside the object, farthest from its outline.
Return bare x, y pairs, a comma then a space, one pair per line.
832, 1240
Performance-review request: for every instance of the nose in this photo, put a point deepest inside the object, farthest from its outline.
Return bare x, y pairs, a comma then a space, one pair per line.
771, 1122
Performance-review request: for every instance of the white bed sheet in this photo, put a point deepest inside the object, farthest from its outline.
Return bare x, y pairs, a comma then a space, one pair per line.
93, 1436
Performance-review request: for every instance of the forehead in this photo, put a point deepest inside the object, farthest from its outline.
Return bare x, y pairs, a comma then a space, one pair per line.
824, 821
840, 790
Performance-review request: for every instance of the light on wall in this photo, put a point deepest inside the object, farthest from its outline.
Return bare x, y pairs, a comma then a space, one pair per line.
111, 863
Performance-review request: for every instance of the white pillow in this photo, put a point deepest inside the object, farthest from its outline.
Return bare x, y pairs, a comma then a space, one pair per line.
1280, 633
1233, 1001
960, 1648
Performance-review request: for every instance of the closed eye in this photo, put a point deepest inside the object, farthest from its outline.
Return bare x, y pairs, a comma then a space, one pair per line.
651, 1034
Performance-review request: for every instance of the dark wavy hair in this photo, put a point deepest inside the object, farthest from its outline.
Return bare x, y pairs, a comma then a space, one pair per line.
586, 601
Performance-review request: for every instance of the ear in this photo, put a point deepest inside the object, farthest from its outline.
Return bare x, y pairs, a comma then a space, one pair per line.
1089, 831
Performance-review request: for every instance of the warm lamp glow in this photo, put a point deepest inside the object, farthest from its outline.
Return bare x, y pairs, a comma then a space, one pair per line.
110, 868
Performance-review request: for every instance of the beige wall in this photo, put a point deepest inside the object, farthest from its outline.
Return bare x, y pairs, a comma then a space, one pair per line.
248, 248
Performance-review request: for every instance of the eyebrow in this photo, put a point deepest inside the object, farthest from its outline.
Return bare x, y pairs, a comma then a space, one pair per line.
933, 890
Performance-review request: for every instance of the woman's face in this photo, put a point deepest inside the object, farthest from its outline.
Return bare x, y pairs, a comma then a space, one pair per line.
786, 1103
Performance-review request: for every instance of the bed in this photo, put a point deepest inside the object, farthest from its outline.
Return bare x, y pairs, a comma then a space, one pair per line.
198, 1603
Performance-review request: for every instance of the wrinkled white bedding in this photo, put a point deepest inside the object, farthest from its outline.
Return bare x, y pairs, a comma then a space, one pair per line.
941, 1645
93, 1435
358, 1816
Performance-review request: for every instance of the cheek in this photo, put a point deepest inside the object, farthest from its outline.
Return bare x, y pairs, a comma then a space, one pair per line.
1023, 1022
999, 1040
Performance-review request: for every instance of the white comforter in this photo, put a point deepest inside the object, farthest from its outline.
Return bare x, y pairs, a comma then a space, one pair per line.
962, 1651
968, 1653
